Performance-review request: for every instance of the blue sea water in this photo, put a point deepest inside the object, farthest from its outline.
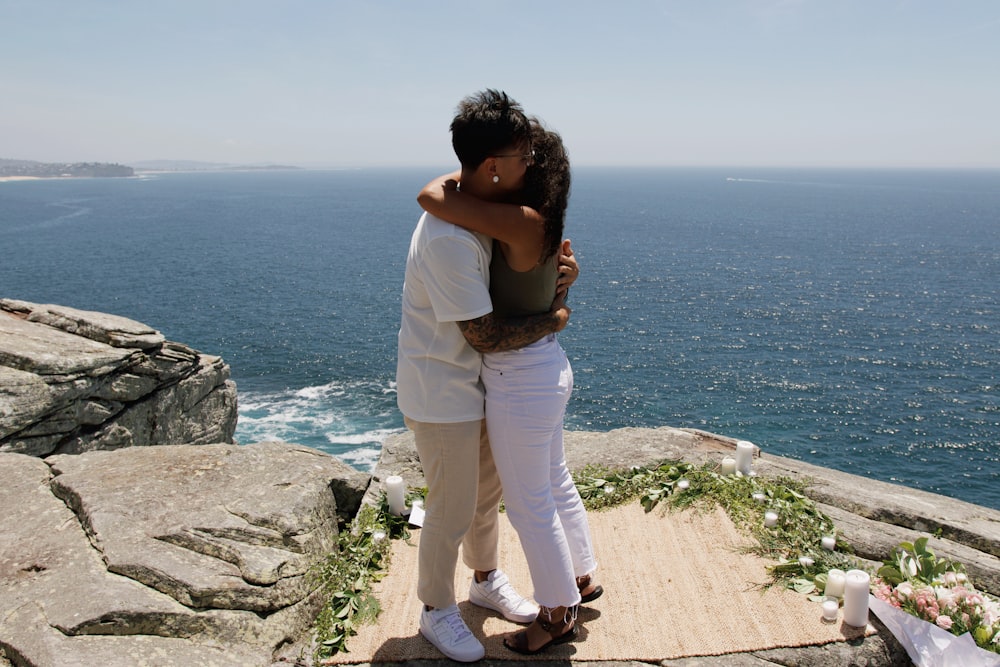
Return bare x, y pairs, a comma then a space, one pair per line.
848, 318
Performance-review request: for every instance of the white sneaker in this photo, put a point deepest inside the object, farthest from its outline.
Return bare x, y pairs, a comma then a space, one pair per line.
497, 594
448, 632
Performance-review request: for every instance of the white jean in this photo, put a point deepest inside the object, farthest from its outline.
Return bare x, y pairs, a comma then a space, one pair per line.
526, 395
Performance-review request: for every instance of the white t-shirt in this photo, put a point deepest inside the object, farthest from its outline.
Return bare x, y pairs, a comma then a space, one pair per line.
447, 281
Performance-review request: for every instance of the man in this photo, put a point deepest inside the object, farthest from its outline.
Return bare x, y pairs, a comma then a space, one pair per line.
447, 322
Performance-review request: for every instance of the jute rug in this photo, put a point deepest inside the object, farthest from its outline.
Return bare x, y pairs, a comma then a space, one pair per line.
676, 585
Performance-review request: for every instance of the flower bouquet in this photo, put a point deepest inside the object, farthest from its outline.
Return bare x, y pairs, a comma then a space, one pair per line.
938, 594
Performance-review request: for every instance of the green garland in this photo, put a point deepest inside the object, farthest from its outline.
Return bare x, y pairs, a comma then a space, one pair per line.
345, 576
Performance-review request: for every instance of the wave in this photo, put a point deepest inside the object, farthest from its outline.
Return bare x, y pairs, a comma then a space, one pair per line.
346, 419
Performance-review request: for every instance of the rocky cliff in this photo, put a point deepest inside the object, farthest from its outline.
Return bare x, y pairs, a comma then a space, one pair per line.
73, 381
114, 552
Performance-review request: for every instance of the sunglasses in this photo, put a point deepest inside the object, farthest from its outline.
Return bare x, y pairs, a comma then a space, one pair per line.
527, 157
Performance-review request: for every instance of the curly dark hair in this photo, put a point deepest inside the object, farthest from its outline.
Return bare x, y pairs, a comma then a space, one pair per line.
487, 122
547, 184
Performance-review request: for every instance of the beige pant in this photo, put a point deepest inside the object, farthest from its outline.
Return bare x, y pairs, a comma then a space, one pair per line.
463, 499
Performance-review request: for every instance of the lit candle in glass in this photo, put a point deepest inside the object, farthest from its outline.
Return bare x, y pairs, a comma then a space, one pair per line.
835, 581
830, 608
728, 466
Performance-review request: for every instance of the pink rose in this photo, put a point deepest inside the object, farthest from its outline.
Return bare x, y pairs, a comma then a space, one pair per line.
882, 591
943, 622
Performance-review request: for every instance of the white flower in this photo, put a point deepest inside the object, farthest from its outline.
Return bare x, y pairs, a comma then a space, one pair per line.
945, 596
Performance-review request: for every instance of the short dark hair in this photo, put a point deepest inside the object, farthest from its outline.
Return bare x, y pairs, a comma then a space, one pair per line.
547, 184
485, 123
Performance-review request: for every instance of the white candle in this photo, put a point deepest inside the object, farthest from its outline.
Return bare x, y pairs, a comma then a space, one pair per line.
830, 608
806, 561
829, 542
760, 497
395, 490
683, 484
744, 456
835, 580
856, 587
728, 466
770, 519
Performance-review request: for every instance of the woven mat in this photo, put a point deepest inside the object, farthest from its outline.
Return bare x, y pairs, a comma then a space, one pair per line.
676, 585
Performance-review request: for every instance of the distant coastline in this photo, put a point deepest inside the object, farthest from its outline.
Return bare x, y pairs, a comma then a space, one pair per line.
27, 170
161, 166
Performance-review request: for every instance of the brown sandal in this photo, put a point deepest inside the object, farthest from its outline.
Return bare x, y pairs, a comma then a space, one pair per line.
558, 633
589, 591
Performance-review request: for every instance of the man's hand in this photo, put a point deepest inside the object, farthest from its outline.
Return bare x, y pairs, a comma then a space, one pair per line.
569, 269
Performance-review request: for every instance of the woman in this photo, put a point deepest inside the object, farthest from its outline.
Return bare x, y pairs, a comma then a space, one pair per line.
527, 389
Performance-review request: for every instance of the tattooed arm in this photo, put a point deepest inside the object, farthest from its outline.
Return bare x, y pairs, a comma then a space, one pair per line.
493, 334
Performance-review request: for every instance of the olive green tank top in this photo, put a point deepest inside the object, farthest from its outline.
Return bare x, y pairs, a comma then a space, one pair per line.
519, 293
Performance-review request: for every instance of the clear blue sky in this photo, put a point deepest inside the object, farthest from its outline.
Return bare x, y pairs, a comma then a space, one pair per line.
375, 83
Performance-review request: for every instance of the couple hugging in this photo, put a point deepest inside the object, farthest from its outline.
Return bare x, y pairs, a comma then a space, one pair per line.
483, 383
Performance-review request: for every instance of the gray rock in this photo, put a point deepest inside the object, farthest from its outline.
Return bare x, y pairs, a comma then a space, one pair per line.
73, 381
172, 555
110, 329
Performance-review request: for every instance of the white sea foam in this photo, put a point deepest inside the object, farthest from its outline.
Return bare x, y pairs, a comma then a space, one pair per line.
362, 458
346, 419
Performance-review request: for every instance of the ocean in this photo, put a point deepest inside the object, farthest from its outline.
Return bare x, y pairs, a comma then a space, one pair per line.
849, 318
